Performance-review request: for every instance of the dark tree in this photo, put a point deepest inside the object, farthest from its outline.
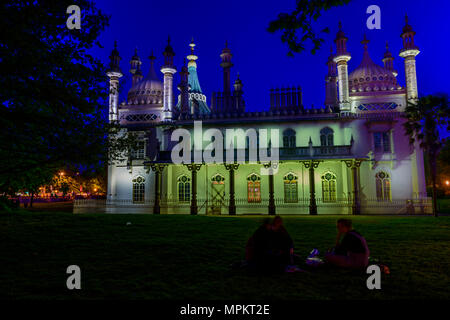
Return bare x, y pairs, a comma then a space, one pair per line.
297, 26
53, 93
425, 117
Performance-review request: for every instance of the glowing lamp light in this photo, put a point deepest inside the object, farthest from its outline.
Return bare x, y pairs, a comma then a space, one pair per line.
447, 182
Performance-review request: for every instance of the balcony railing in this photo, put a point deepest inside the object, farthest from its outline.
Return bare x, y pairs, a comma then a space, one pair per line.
295, 153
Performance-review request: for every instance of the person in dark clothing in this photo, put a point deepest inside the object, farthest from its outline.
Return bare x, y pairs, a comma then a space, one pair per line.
270, 248
283, 246
351, 251
258, 248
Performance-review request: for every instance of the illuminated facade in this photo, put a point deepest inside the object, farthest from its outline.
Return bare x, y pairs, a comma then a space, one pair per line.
351, 156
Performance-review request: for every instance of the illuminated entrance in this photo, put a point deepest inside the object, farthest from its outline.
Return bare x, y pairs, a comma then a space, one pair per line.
218, 194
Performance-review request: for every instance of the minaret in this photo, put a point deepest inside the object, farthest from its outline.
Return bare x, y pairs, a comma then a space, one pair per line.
135, 69
184, 88
168, 70
197, 100
409, 53
341, 58
388, 61
226, 65
331, 97
114, 73
239, 104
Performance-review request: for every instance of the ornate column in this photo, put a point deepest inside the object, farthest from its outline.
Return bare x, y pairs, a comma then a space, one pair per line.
232, 206
311, 165
194, 167
354, 164
272, 208
158, 168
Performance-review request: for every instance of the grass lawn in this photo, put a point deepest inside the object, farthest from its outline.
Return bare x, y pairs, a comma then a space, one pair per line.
188, 257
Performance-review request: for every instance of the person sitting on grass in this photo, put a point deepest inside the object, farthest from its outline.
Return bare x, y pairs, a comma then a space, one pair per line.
283, 246
270, 248
352, 252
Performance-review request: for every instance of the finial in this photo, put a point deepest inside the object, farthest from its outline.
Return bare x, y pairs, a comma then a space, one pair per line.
387, 46
168, 39
406, 18
226, 43
340, 25
152, 57
365, 42
115, 44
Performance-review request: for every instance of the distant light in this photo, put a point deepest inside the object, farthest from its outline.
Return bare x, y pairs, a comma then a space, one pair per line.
447, 182
61, 173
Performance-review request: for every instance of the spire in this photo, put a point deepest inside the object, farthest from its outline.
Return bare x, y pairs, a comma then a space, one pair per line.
408, 36
135, 62
192, 57
388, 60
152, 73
341, 41
409, 52
331, 64
197, 101
365, 43
226, 65
135, 70
238, 83
331, 97
168, 54
183, 102
114, 59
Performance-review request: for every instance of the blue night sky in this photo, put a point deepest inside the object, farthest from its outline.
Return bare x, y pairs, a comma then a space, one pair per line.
260, 57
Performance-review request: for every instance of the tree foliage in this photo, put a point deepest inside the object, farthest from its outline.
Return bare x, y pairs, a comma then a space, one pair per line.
424, 119
297, 27
52, 91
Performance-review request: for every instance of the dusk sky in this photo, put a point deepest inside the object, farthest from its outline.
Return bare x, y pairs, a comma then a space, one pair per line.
259, 56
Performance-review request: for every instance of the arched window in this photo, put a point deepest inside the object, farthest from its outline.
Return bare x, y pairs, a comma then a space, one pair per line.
383, 185
290, 188
138, 190
184, 189
326, 137
289, 139
329, 187
254, 188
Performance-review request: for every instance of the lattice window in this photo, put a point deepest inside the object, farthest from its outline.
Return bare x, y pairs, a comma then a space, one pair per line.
184, 189
329, 187
383, 186
138, 190
141, 117
377, 106
254, 188
290, 188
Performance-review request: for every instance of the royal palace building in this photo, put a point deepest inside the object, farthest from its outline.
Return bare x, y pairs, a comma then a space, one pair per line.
351, 156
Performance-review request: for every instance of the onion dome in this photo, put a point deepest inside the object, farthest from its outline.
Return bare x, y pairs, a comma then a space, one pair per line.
369, 76
149, 90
